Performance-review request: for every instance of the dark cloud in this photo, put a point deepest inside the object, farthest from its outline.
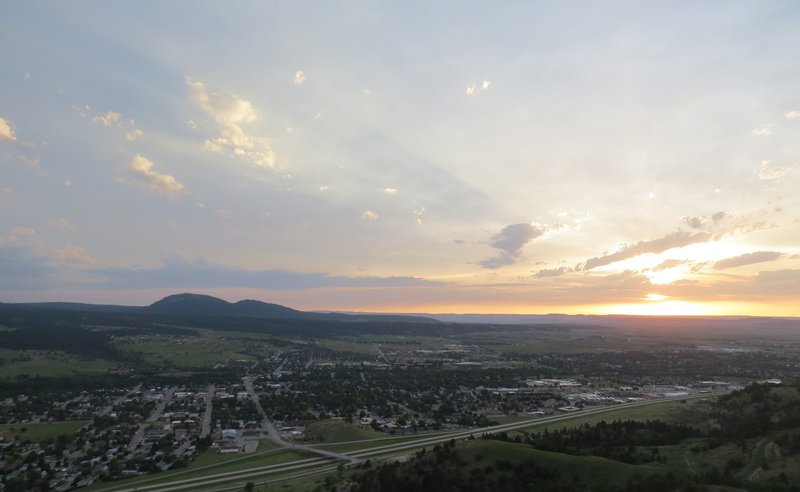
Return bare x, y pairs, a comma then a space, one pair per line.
694, 222
180, 272
510, 242
747, 259
552, 272
19, 268
718, 216
676, 239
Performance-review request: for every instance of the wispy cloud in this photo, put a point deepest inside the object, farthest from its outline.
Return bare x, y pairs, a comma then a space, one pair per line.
223, 214
390, 191
6, 130
748, 259
510, 242
141, 172
676, 239
24, 231
134, 134
792, 115
61, 224
231, 113
299, 77
73, 254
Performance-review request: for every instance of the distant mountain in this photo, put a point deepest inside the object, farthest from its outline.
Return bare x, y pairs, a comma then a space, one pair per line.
194, 305
201, 305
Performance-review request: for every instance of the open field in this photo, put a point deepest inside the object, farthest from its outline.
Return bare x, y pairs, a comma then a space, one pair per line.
38, 432
333, 431
47, 364
204, 350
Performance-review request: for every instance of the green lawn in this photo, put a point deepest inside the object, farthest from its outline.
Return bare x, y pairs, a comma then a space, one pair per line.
39, 432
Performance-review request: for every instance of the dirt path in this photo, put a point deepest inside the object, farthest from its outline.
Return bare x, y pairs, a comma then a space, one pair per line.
689, 463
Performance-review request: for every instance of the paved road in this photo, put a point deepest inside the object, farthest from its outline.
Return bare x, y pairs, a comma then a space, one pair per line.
119, 400
205, 429
154, 416
274, 436
380, 352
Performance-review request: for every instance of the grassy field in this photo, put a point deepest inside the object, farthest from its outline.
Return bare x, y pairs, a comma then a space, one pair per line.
671, 411
200, 351
39, 432
331, 431
47, 363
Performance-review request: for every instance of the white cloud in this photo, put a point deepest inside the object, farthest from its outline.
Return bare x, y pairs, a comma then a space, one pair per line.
107, 119
134, 134
141, 173
767, 171
792, 115
510, 242
762, 130
6, 130
390, 191
323, 188
231, 113
369, 215
475, 89
299, 77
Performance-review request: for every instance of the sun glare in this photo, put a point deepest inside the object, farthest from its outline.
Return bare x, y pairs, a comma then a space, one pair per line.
661, 308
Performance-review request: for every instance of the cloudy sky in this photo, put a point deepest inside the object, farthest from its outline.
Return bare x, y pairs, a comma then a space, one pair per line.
525, 157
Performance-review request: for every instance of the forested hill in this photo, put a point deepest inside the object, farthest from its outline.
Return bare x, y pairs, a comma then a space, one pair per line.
194, 305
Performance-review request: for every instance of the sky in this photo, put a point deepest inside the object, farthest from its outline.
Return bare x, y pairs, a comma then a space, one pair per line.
430, 157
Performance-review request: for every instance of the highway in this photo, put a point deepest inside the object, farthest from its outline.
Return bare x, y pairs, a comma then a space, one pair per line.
398, 449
